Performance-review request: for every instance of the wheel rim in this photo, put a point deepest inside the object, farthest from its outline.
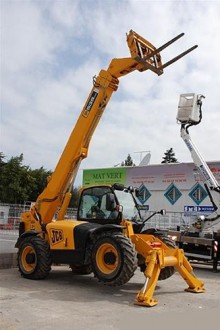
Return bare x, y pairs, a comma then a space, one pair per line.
107, 258
28, 259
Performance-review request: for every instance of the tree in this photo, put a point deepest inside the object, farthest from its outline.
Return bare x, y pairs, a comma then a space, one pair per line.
2, 157
75, 197
128, 161
169, 157
39, 176
16, 181
19, 183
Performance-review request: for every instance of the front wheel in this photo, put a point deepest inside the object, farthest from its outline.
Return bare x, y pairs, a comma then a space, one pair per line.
34, 260
114, 259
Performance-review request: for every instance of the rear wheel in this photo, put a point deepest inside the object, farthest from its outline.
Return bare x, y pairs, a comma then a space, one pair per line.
34, 259
165, 272
169, 270
114, 259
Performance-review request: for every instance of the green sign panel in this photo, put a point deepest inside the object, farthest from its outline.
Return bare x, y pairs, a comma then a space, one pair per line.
104, 176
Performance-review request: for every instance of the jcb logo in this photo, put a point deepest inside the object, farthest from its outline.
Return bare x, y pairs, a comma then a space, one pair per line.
56, 236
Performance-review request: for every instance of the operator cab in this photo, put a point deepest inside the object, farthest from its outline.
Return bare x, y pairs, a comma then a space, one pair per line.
100, 204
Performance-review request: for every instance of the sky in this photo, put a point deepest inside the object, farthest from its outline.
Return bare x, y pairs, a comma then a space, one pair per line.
50, 51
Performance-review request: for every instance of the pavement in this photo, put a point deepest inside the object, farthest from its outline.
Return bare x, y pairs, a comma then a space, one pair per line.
73, 302
66, 301
8, 253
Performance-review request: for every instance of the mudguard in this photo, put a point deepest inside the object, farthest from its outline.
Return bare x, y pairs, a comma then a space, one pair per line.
87, 231
24, 235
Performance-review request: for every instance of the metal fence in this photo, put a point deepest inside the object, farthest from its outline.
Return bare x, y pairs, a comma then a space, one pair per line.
10, 215
171, 220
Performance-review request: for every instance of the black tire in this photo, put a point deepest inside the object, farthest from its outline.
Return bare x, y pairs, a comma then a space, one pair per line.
114, 258
166, 272
34, 260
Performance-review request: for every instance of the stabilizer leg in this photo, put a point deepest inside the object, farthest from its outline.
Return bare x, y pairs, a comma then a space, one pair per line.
157, 256
186, 271
152, 272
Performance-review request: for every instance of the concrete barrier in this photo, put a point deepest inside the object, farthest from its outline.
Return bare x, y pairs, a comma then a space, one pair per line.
8, 260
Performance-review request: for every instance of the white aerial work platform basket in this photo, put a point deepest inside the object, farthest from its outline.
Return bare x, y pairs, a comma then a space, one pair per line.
188, 108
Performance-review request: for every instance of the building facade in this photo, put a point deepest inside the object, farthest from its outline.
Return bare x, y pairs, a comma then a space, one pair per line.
176, 187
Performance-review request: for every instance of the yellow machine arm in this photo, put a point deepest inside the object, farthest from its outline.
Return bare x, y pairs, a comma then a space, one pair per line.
56, 195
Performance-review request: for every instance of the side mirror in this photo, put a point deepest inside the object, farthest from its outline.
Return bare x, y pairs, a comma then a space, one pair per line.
110, 202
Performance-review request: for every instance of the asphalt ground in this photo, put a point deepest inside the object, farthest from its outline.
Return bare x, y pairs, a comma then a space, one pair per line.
66, 301
8, 239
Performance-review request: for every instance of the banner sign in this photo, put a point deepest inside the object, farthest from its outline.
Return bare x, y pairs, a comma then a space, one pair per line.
197, 209
105, 176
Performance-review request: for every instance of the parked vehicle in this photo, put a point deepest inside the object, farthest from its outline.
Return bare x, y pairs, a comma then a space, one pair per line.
109, 250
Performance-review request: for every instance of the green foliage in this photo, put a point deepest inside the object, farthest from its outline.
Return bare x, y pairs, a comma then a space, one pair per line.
128, 161
39, 176
75, 198
169, 157
14, 180
18, 182
2, 157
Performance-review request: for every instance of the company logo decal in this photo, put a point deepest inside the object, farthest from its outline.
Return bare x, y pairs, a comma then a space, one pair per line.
90, 102
56, 236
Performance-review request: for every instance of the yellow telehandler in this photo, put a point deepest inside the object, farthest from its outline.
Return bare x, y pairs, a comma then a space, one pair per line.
111, 251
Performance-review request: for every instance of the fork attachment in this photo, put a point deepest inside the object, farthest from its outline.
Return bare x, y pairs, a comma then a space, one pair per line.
148, 55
